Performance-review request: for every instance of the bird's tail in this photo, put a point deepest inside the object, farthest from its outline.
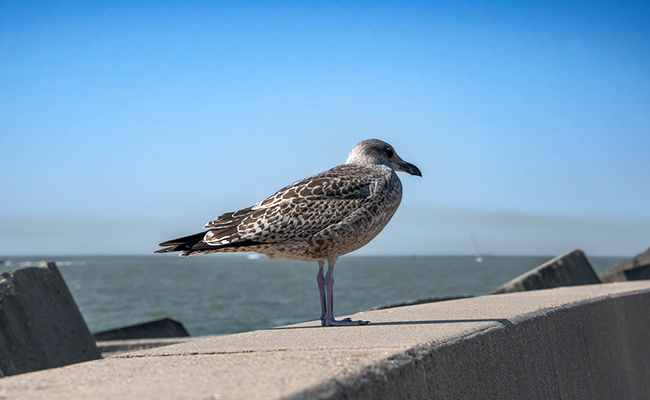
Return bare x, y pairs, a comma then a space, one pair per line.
183, 244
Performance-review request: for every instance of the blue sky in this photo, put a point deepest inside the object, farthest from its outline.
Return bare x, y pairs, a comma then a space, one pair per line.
126, 123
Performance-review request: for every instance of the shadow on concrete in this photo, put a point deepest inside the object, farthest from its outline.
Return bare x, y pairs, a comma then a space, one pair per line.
502, 321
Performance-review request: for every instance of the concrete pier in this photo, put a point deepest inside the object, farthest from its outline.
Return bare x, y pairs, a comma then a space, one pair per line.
582, 342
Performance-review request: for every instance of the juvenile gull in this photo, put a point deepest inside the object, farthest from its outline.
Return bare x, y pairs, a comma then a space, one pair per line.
316, 219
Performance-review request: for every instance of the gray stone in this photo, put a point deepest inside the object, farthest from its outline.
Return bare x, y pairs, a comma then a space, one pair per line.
634, 269
160, 328
570, 269
40, 324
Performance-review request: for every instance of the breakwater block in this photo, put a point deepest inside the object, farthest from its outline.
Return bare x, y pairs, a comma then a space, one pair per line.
634, 269
161, 328
40, 324
570, 269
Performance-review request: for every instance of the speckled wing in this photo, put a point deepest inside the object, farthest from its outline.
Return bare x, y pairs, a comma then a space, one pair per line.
298, 211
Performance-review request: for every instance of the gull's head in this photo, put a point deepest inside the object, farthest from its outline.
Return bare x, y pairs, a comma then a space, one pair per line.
377, 152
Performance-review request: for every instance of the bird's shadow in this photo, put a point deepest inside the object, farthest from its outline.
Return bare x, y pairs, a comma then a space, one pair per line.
503, 321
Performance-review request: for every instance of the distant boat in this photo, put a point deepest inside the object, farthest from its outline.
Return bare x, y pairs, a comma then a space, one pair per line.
254, 256
479, 259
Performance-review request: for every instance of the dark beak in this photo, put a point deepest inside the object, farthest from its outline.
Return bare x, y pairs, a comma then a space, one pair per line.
410, 168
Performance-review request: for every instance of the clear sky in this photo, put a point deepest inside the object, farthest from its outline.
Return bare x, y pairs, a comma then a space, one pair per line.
124, 123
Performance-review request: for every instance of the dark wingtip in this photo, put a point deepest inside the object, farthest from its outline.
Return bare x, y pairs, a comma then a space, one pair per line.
171, 249
181, 244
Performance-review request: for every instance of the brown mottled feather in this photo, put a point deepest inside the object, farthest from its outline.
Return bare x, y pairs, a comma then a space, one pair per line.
319, 217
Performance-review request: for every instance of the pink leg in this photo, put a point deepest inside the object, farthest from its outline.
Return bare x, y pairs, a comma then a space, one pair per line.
320, 278
329, 286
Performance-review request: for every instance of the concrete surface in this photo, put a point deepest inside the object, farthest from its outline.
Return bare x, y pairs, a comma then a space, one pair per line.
583, 342
160, 328
570, 269
112, 347
420, 301
40, 324
634, 269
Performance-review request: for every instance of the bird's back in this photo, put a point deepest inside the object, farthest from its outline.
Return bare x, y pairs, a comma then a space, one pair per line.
325, 215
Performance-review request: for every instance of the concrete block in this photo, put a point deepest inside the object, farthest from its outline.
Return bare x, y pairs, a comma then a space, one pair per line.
161, 328
634, 269
570, 269
40, 324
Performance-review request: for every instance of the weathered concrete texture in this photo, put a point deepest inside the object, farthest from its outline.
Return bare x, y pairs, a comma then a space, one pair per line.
634, 269
40, 324
420, 301
570, 269
160, 328
584, 342
113, 347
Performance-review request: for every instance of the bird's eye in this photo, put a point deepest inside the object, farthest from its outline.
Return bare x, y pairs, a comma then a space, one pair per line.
389, 153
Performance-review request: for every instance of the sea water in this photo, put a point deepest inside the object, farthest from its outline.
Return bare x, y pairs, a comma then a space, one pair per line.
218, 294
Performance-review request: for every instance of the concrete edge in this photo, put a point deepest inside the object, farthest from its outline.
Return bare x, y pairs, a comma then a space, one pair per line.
405, 364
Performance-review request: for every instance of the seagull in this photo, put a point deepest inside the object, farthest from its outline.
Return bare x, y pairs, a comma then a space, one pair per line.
317, 219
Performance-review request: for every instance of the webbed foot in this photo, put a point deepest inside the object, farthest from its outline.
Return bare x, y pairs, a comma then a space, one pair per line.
343, 322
